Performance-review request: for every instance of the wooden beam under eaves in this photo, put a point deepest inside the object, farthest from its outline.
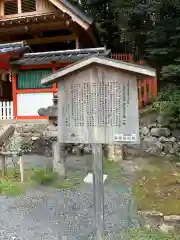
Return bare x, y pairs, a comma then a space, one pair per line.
33, 27
37, 40
51, 39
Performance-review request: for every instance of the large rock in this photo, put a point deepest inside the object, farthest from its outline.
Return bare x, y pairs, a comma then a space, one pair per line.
158, 132
152, 218
133, 151
145, 131
168, 147
25, 129
176, 133
172, 218
49, 111
163, 139
163, 120
176, 148
152, 145
166, 228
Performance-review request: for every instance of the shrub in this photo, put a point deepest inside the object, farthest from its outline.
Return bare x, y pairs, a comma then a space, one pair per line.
43, 176
167, 103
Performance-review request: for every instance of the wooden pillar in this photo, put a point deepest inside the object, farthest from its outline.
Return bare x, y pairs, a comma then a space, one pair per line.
14, 95
155, 87
140, 93
54, 84
98, 190
77, 43
1, 8
19, 7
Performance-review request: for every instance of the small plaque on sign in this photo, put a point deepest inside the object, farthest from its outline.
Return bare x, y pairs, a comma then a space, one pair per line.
124, 138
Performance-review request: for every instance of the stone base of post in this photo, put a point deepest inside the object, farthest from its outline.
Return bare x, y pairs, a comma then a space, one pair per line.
115, 153
59, 160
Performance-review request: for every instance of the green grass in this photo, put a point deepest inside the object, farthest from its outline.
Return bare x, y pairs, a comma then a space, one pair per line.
75, 178
114, 172
43, 176
9, 188
143, 234
65, 184
158, 188
11, 185
47, 177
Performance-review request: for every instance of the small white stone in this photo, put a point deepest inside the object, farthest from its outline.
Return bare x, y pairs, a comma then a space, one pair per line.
89, 178
166, 228
152, 213
34, 138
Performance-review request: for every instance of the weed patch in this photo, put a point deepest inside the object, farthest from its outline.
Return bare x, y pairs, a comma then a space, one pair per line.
9, 188
113, 170
143, 234
158, 188
43, 176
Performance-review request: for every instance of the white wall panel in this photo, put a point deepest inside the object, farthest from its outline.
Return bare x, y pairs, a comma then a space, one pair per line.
28, 104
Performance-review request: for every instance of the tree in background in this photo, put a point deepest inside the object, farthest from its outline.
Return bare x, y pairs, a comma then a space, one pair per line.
151, 26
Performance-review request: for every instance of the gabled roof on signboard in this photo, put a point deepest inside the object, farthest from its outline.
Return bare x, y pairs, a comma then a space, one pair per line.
102, 61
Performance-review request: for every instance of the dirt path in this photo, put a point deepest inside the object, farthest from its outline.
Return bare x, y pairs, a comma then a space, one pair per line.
46, 213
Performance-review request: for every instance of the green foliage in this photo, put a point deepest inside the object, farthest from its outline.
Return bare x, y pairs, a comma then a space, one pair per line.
65, 184
167, 104
114, 172
143, 234
9, 188
43, 176
149, 29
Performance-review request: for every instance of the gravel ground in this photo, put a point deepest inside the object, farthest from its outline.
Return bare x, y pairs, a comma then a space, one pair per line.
49, 214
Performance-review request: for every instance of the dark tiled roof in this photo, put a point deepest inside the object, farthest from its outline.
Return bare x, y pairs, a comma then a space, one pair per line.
77, 11
13, 47
60, 56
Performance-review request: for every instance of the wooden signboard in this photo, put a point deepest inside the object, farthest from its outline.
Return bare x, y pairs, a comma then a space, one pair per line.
98, 104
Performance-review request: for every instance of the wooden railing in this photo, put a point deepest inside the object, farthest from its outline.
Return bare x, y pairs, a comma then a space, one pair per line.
6, 110
147, 88
122, 57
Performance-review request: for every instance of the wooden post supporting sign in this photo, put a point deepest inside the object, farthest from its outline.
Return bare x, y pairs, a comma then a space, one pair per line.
98, 190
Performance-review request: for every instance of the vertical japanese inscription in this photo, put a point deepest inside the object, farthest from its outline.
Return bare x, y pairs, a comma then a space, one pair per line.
128, 92
124, 104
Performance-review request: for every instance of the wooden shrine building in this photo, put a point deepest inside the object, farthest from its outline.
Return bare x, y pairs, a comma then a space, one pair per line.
37, 37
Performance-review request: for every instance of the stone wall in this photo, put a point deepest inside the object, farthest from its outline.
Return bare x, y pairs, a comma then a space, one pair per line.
32, 139
158, 137
159, 221
38, 139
